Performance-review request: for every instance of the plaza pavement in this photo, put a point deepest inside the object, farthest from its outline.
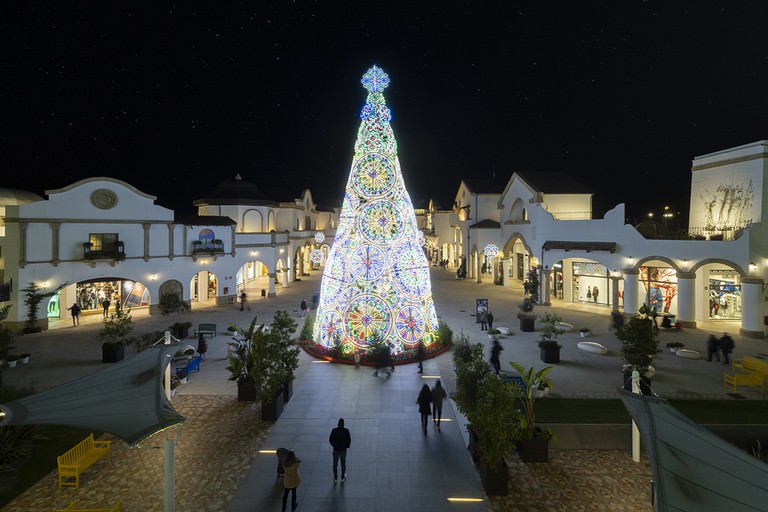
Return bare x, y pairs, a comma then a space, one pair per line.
391, 465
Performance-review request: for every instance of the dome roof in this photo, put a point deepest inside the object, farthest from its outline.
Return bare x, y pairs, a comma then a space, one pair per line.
236, 192
13, 197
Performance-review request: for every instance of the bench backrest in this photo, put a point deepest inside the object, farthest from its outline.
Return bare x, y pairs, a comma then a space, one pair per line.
205, 327
77, 452
754, 364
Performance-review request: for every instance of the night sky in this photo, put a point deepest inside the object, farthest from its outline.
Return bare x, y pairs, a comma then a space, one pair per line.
175, 99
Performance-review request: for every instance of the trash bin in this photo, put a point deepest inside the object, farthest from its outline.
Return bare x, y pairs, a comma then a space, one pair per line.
263, 292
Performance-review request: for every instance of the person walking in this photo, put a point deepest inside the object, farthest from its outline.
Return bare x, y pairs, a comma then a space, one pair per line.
420, 356
425, 409
713, 348
490, 320
726, 347
202, 345
105, 304
291, 478
495, 351
340, 439
483, 320
438, 394
242, 300
595, 293
303, 308
75, 309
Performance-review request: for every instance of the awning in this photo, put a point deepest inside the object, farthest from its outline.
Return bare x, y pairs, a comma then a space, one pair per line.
579, 246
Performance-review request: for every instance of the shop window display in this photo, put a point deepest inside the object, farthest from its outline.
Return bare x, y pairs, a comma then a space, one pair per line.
660, 288
590, 283
126, 294
724, 295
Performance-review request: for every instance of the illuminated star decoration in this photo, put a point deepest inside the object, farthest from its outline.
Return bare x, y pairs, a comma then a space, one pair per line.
375, 80
491, 250
319, 237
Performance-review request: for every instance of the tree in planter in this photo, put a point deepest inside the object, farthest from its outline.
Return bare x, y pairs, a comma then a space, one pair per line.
32, 298
526, 315
550, 330
639, 341
284, 327
307, 329
533, 284
117, 327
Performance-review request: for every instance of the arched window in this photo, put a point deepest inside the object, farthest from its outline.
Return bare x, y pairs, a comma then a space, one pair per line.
271, 220
252, 221
307, 222
206, 238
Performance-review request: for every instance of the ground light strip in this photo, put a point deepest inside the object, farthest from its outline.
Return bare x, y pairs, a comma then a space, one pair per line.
430, 377
268, 451
473, 500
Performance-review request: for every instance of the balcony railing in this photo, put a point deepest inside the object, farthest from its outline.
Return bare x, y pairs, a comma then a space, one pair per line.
114, 252
710, 233
572, 215
214, 247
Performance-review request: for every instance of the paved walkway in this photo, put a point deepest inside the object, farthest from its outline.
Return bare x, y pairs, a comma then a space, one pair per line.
391, 464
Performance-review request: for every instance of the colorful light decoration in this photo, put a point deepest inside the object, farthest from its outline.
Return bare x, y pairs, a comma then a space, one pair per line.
376, 279
319, 237
491, 250
317, 256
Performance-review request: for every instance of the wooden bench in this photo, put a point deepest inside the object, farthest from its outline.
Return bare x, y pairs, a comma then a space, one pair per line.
514, 379
752, 380
751, 365
73, 506
80, 458
192, 366
209, 329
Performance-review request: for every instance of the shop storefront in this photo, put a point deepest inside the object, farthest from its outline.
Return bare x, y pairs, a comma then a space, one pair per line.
660, 289
129, 294
591, 283
724, 295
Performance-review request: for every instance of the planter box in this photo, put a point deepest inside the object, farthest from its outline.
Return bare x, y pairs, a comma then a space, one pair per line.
246, 392
271, 411
495, 483
533, 450
181, 334
288, 391
112, 354
550, 355
527, 324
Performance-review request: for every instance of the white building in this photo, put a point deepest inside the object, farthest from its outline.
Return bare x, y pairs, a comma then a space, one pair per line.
105, 239
714, 271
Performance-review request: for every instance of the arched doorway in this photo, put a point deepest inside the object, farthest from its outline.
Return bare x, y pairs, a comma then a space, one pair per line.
719, 290
204, 288
517, 259
253, 277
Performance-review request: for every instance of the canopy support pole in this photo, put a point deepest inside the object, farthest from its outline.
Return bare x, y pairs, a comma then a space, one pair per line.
635, 430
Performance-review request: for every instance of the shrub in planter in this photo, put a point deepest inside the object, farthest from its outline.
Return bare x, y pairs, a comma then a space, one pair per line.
550, 348
180, 330
639, 341
584, 332
24, 358
526, 315
112, 351
674, 346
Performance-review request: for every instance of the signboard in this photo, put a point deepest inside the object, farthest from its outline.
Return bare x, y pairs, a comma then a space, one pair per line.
5, 292
481, 308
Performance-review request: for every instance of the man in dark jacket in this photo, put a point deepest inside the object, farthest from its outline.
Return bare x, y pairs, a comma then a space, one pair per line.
340, 440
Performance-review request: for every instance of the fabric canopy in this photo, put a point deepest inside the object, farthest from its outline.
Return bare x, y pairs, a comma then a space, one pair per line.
693, 469
127, 399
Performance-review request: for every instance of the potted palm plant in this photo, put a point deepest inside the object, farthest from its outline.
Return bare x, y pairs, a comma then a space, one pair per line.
532, 441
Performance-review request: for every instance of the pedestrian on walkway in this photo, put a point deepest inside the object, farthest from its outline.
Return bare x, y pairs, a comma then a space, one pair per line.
291, 479
242, 301
483, 321
105, 304
303, 308
527, 287
340, 439
438, 393
726, 347
425, 408
495, 351
75, 309
490, 320
202, 345
713, 348
420, 356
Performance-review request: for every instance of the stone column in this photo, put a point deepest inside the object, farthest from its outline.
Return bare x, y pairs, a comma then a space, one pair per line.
478, 267
631, 281
272, 292
234, 239
545, 287
55, 227
505, 272
752, 308
686, 311
615, 293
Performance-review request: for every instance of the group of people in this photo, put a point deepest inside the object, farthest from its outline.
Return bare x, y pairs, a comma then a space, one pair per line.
715, 347
593, 293
486, 320
430, 401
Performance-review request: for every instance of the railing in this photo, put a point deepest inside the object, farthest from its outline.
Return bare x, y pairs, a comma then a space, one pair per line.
116, 252
572, 215
709, 233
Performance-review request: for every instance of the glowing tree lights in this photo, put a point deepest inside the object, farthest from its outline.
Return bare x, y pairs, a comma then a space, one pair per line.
376, 280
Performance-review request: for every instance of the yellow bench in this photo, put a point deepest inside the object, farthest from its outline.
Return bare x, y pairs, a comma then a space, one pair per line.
73, 506
752, 380
80, 458
751, 364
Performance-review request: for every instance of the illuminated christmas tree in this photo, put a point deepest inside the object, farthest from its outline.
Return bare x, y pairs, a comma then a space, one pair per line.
376, 281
